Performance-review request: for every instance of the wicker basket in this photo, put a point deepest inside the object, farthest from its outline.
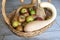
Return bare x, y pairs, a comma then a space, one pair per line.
23, 34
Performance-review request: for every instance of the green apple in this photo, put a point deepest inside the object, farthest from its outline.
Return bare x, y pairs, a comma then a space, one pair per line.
23, 10
29, 19
32, 12
15, 23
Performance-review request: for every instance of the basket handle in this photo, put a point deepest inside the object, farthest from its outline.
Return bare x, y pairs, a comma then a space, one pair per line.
4, 12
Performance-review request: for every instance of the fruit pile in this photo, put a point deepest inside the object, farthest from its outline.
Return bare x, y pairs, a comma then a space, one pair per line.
26, 15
